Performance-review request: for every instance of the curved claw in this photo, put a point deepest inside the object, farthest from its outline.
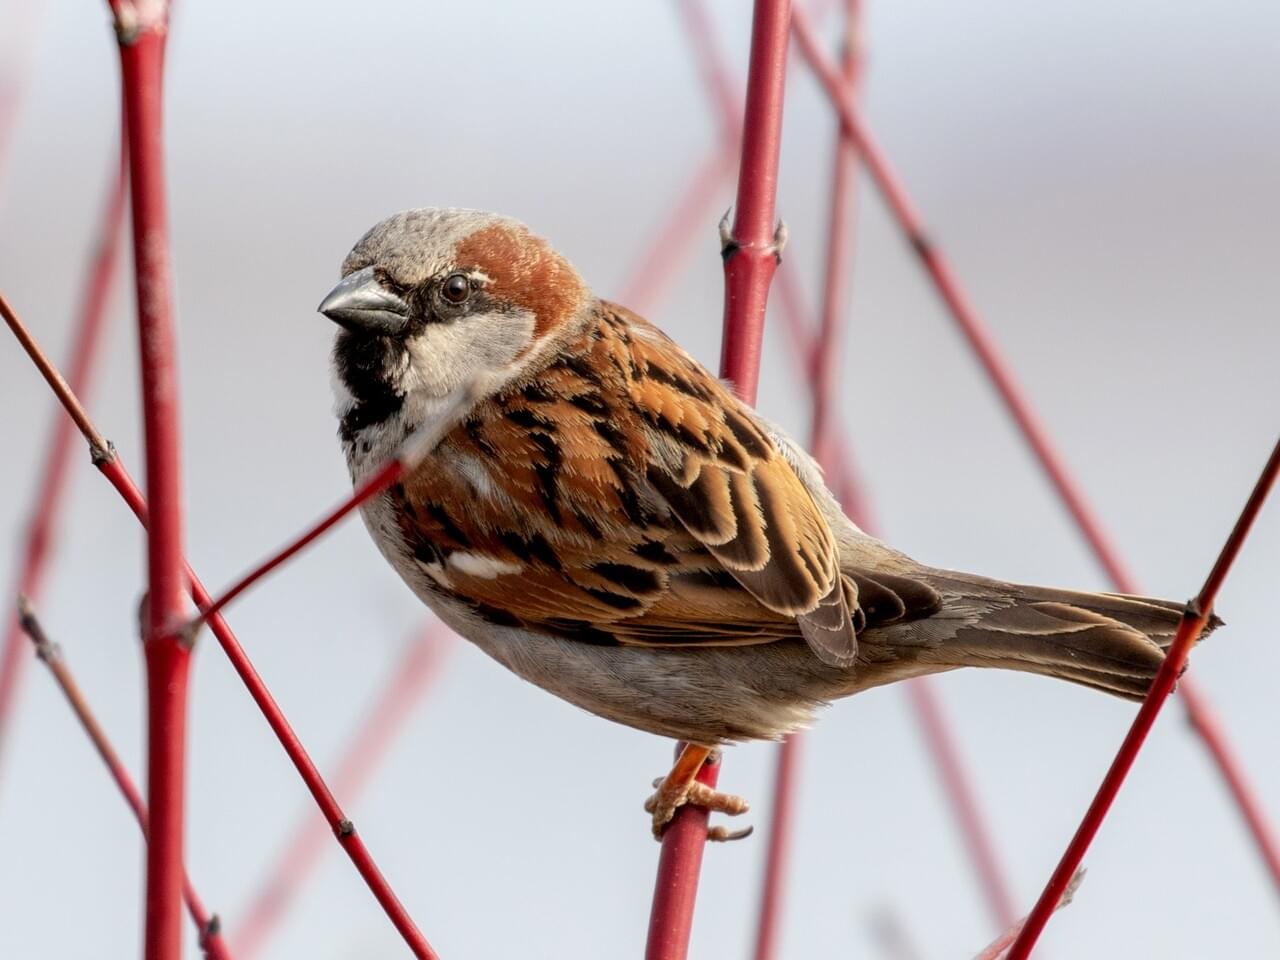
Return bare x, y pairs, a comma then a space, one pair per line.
668, 798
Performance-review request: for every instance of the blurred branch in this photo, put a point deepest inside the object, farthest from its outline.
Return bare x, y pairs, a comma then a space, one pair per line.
51, 484
50, 654
110, 466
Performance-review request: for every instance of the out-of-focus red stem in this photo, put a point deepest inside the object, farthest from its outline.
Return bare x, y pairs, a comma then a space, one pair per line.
1030, 425
786, 773
922, 695
750, 258
207, 925
964, 802
168, 656
109, 465
52, 481
1193, 622
839, 240
670, 246
409, 679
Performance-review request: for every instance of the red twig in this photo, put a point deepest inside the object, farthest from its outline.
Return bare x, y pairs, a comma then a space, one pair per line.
921, 693
753, 247
750, 252
141, 30
409, 679
50, 654
52, 481
109, 466
380, 480
786, 774
1029, 424
1194, 619
998, 948
962, 798
670, 245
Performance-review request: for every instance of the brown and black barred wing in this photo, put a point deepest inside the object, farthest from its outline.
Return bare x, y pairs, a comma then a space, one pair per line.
635, 500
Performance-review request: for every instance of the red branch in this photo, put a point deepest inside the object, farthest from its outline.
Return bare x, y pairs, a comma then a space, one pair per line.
750, 257
1194, 619
1028, 423
168, 656
786, 774
998, 948
409, 679
109, 465
52, 481
207, 925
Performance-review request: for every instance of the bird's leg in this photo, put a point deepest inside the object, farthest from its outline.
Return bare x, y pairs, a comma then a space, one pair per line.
679, 787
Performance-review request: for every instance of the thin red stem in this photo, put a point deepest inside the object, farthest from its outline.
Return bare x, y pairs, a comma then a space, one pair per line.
786, 773
109, 466
752, 247
52, 481
50, 654
1193, 622
963, 800
670, 246
376, 483
941, 743
676, 887
998, 948
168, 657
843, 477
750, 258
409, 680
1030, 425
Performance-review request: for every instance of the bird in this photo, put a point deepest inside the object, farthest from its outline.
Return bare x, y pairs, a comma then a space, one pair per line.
604, 517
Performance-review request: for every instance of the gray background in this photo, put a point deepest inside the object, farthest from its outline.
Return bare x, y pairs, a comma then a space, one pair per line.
1103, 175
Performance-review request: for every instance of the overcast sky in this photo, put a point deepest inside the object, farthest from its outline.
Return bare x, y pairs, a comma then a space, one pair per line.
1104, 176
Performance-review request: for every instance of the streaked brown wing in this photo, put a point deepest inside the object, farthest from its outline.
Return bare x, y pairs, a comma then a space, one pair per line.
623, 494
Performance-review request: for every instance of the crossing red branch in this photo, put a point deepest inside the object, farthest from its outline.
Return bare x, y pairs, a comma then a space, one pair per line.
750, 250
207, 925
1029, 424
410, 678
51, 483
110, 466
1194, 619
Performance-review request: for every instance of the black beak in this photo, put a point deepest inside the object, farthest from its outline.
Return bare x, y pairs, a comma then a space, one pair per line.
362, 304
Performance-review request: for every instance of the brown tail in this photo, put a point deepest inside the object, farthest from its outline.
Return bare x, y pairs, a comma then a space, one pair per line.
1111, 642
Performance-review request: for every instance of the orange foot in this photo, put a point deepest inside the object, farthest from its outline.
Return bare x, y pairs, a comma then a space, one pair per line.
679, 787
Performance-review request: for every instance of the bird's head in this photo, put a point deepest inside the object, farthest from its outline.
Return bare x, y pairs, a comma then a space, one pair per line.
432, 298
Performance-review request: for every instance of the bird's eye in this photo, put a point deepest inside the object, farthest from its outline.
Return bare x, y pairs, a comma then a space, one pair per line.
456, 288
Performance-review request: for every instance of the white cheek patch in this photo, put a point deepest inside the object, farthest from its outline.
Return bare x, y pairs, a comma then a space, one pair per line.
446, 355
484, 567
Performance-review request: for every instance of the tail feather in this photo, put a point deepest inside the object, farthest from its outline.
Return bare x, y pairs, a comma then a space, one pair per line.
1110, 642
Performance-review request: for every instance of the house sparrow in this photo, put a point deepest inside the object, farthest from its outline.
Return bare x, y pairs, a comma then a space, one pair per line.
604, 517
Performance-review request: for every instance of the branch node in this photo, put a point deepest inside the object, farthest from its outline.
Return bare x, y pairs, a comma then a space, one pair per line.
780, 236
46, 649
728, 245
100, 454
344, 828
920, 243
211, 929
133, 18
